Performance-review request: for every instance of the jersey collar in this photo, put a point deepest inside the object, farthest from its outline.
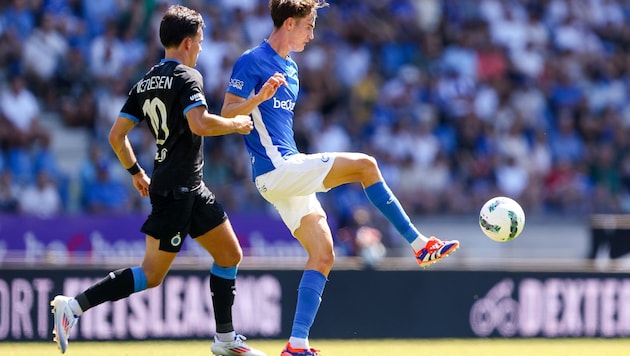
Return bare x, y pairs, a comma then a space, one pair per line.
281, 61
164, 60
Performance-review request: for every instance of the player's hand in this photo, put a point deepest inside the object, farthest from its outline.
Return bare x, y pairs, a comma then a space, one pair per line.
244, 124
141, 181
270, 87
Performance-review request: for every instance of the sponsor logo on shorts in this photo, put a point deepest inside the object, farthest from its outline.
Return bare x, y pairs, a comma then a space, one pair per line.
176, 240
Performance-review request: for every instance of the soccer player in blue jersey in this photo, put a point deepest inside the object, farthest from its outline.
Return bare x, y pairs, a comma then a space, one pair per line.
264, 84
170, 99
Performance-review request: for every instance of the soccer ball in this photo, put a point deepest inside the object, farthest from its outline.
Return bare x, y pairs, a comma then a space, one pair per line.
502, 219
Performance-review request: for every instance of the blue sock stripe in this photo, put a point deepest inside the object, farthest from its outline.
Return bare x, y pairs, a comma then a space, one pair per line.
384, 200
224, 272
139, 279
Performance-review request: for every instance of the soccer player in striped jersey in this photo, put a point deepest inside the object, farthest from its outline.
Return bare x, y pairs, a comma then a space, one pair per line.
265, 84
171, 100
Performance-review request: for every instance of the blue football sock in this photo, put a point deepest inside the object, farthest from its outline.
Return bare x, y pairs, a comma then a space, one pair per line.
384, 200
309, 297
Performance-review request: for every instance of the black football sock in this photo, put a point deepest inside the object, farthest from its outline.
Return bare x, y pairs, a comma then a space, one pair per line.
117, 285
223, 292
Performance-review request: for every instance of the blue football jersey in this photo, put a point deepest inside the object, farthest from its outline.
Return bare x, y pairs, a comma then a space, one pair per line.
272, 138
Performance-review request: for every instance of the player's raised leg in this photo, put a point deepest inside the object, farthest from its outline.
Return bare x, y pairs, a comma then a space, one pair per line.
352, 167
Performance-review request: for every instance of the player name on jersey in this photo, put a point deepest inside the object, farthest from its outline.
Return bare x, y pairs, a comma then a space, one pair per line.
155, 82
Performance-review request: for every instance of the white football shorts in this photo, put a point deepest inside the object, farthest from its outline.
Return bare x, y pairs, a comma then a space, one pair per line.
291, 187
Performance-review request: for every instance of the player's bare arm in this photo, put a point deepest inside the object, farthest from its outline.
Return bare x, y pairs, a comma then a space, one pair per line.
235, 105
122, 147
203, 123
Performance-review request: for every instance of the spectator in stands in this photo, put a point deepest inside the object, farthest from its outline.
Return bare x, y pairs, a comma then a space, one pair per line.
512, 178
44, 159
359, 237
20, 18
107, 56
76, 93
21, 108
566, 142
107, 103
100, 14
105, 194
9, 193
535, 61
41, 198
42, 54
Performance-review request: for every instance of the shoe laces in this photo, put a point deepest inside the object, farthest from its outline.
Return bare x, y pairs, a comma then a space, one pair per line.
433, 244
238, 340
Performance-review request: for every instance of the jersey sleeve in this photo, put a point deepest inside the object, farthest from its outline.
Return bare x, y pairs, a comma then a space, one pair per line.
131, 109
243, 80
192, 90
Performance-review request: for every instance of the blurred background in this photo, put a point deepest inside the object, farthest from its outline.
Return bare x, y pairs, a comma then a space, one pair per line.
459, 101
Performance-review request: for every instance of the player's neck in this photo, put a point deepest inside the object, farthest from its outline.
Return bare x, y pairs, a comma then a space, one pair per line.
279, 43
177, 55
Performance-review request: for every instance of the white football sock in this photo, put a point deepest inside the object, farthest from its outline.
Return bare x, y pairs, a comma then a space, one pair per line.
226, 337
419, 243
298, 343
75, 307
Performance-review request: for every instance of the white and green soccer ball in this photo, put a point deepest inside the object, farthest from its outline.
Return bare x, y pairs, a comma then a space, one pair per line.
502, 219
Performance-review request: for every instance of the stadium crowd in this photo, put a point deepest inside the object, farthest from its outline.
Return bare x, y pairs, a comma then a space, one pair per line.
459, 100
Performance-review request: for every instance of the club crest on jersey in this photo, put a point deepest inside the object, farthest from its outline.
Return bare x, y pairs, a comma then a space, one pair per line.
283, 104
325, 157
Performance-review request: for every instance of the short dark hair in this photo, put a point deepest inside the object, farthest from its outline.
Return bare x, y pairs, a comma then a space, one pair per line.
178, 23
281, 10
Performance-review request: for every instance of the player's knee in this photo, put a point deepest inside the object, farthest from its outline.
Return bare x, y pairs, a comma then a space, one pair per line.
324, 261
231, 259
369, 168
366, 162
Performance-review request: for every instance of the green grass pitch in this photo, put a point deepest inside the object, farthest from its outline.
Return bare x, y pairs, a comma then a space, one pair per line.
424, 347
